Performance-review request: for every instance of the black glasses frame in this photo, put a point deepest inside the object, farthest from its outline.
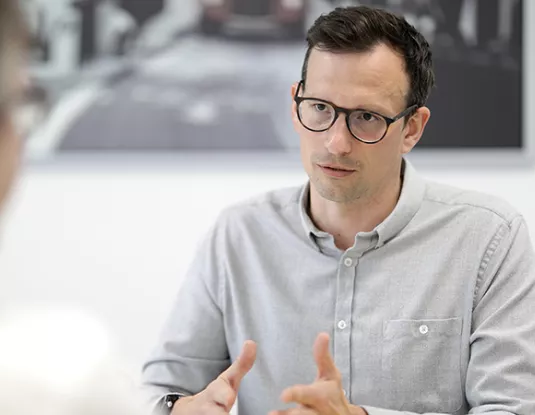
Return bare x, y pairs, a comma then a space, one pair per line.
389, 121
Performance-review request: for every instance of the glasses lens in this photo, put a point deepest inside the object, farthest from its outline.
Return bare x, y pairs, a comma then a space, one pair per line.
316, 115
367, 126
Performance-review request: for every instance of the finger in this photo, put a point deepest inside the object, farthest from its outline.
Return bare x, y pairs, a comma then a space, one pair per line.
224, 390
327, 370
241, 366
220, 393
314, 395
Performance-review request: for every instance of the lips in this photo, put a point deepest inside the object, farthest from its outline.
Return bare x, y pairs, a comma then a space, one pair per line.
335, 171
338, 168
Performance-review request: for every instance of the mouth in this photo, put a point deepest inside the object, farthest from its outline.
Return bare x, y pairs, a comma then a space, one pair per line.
335, 171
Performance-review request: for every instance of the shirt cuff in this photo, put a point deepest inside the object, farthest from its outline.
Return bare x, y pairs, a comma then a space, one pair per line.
160, 408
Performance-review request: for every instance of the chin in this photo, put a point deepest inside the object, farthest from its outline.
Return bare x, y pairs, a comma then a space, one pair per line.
328, 191
338, 191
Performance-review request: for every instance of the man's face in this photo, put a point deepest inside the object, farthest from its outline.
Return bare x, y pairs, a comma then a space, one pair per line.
374, 81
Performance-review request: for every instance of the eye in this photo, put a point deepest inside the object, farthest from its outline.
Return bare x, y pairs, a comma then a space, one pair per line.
368, 116
320, 107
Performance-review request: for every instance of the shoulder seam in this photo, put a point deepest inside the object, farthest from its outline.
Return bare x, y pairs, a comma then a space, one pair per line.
507, 221
489, 252
260, 203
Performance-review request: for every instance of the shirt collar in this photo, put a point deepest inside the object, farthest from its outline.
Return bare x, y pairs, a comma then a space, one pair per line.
309, 227
409, 202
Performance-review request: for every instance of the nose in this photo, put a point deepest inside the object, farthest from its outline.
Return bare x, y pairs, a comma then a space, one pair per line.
339, 139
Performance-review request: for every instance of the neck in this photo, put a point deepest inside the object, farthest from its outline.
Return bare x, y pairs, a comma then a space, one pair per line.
345, 221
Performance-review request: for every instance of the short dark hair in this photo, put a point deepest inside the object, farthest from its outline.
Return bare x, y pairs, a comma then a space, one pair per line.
13, 39
361, 28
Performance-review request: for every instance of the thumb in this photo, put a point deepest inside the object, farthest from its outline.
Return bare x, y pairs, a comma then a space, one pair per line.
327, 370
241, 366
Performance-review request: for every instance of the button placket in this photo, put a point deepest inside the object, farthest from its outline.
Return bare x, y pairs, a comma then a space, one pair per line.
343, 315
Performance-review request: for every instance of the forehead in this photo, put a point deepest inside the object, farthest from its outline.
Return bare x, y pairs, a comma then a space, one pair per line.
377, 76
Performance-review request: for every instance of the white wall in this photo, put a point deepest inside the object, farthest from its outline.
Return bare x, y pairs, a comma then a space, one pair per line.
113, 243
117, 243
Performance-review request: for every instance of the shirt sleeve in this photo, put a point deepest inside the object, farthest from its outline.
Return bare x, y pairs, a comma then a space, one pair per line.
500, 378
192, 350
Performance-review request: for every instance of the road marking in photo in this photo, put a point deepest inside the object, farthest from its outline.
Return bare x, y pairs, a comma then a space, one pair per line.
44, 142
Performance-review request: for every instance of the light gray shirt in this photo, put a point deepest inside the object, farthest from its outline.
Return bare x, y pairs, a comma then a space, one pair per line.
431, 312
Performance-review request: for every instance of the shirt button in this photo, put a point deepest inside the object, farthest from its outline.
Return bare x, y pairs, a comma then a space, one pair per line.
342, 324
348, 262
424, 329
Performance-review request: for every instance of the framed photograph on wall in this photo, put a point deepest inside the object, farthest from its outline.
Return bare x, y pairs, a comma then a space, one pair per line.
181, 79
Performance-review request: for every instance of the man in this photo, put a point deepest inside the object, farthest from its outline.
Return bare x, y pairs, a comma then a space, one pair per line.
369, 289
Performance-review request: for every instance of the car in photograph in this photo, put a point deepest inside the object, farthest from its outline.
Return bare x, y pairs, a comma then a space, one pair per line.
285, 18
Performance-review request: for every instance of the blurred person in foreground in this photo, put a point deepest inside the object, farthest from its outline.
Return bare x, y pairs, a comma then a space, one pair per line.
368, 290
12, 42
52, 361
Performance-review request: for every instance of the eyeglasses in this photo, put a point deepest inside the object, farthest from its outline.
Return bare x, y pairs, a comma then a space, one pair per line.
366, 126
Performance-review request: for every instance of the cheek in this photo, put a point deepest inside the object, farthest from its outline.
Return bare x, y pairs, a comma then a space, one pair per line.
311, 149
313, 143
295, 118
393, 143
306, 143
382, 155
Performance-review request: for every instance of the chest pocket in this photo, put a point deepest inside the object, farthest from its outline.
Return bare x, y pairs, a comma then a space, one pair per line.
421, 365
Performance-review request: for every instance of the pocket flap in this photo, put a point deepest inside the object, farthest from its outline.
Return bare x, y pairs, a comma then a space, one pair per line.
422, 328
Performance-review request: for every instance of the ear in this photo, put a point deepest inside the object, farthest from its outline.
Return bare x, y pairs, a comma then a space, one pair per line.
415, 128
293, 89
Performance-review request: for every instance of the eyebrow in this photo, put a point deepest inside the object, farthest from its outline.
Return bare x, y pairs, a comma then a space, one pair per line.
367, 107
379, 110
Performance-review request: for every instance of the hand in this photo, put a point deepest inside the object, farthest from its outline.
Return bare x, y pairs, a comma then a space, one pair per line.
220, 395
325, 396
